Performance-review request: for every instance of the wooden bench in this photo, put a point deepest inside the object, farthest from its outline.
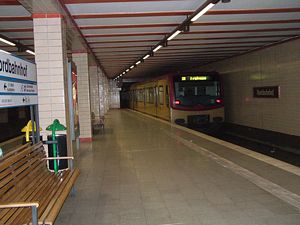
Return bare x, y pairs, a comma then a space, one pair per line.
29, 192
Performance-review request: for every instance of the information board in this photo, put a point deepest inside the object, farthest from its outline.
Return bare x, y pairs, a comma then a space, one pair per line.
18, 83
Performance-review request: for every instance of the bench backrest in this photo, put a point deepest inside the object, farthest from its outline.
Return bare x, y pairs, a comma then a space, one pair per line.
19, 167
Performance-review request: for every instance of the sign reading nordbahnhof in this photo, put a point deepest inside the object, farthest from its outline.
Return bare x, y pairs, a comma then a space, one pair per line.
18, 84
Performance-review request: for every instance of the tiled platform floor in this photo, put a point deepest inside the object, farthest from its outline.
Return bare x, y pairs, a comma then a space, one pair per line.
137, 174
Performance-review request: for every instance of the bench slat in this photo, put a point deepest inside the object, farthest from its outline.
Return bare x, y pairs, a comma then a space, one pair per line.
23, 195
36, 166
17, 164
14, 158
50, 219
17, 150
44, 192
52, 201
26, 164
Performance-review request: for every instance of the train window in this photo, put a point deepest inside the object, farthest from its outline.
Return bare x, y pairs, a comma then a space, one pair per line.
197, 92
161, 94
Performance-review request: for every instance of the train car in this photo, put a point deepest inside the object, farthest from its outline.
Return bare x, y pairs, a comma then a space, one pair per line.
187, 99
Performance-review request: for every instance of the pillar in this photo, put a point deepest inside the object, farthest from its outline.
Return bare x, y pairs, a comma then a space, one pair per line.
51, 57
102, 93
114, 95
94, 93
84, 104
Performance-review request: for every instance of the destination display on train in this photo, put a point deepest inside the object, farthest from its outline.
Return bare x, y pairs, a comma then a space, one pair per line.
195, 78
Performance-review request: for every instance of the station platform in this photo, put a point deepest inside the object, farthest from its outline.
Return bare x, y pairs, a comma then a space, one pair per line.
145, 171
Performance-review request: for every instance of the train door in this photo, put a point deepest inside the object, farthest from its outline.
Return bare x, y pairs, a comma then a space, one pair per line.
163, 109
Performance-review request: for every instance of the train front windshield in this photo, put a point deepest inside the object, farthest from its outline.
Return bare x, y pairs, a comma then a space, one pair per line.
193, 93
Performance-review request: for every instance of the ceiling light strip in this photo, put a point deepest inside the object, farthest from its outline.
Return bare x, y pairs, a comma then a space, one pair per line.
202, 12
7, 42
174, 35
30, 52
5, 52
157, 48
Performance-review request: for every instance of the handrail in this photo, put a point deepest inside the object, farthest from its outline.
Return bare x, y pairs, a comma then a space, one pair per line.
55, 158
18, 205
34, 208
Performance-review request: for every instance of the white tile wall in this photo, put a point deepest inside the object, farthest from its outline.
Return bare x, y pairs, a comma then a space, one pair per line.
277, 65
51, 55
84, 103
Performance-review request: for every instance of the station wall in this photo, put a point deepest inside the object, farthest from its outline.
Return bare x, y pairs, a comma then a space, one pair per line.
276, 65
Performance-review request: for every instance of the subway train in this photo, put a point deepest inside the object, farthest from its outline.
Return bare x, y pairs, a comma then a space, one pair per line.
192, 100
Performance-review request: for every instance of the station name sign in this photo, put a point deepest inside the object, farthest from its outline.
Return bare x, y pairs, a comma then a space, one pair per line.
266, 92
18, 82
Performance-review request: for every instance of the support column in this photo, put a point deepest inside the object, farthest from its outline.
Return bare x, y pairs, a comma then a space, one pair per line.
84, 103
114, 95
51, 60
102, 93
94, 93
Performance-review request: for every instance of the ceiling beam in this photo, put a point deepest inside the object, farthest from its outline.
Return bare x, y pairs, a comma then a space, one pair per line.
186, 44
193, 39
9, 2
15, 18
11, 30
218, 23
186, 13
194, 32
108, 1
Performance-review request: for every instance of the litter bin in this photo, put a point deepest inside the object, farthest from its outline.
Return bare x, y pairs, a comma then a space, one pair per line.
61, 151
57, 146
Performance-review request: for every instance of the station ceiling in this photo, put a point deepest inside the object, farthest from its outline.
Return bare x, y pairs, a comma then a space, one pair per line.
121, 32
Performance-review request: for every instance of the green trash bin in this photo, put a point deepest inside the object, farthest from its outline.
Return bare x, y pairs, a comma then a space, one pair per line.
61, 151
57, 146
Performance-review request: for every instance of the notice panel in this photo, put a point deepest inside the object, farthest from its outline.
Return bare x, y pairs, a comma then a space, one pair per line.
18, 86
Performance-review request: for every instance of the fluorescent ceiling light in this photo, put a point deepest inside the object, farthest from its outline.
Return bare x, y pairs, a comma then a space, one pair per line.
138, 62
132, 67
5, 52
202, 12
146, 56
157, 48
174, 35
127, 70
123, 73
30, 52
7, 42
